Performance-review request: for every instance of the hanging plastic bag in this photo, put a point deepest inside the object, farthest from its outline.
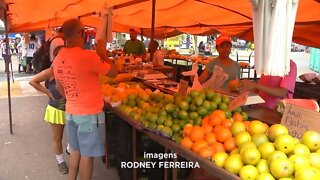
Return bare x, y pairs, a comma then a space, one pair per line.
217, 78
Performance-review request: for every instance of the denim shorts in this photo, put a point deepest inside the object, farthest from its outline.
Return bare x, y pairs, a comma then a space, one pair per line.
86, 133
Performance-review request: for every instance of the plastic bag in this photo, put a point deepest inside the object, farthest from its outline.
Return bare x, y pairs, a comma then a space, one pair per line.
217, 78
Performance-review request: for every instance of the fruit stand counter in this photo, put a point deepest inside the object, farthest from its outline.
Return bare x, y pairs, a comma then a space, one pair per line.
264, 114
207, 165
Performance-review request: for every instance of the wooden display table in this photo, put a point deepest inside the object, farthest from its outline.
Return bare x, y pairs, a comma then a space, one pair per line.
205, 164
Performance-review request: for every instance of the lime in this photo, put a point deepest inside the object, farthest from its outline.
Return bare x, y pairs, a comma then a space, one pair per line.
210, 94
193, 115
124, 101
132, 113
228, 114
223, 107
184, 105
217, 98
238, 109
225, 99
198, 121
169, 117
132, 97
191, 122
167, 131
245, 116
163, 112
152, 126
136, 117
202, 111
132, 103
197, 101
206, 104
188, 99
144, 97
183, 115
161, 119
175, 128
182, 123
202, 94
192, 107
167, 123
175, 121
168, 99
170, 108
194, 93
175, 114
153, 118
159, 127
213, 105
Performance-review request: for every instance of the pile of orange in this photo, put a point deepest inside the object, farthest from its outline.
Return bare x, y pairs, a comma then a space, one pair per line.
213, 136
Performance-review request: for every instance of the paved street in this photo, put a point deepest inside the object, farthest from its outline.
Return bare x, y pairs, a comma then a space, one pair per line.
27, 153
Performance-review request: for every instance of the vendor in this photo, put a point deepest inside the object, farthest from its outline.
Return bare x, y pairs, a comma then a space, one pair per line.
273, 88
158, 57
134, 46
230, 67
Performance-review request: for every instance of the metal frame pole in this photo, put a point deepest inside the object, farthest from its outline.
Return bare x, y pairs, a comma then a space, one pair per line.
152, 25
7, 59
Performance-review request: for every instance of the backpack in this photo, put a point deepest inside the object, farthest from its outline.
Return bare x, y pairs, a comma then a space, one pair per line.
41, 58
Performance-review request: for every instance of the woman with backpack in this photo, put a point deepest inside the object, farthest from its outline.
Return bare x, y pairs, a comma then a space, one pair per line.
55, 111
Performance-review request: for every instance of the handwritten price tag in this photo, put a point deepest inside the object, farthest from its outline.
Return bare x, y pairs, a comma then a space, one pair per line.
183, 87
298, 120
238, 101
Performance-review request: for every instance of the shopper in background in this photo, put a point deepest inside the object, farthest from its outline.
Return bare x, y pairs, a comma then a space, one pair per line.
55, 111
134, 46
158, 57
273, 88
76, 71
31, 49
201, 48
229, 66
207, 50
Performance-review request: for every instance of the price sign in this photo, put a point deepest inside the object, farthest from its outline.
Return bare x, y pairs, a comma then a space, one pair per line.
183, 87
238, 101
298, 120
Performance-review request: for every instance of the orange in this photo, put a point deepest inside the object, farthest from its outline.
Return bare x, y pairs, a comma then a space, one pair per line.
186, 130
221, 114
223, 134
233, 85
198, 145
186, 143
207, 128
216, 129
229, 144
218, 147
196, 133
247, 123
227, 123
210, 138
206, 152
205, 120
214, 120
237, 117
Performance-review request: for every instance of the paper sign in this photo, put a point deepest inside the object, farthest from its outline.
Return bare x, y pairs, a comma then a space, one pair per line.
183, 87
238, 101
298, 120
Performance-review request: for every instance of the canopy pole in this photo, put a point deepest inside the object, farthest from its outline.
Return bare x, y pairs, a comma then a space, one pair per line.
141, 30
7, 59
152, 25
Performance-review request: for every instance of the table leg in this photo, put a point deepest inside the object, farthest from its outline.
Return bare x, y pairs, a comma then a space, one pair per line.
165, 169
134, 152
174, 170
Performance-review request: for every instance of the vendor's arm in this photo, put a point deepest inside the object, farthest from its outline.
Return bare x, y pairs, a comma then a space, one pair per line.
204, 76
247, 85
41, 77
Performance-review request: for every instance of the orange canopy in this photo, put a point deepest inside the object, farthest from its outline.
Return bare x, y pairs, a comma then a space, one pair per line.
173, 17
